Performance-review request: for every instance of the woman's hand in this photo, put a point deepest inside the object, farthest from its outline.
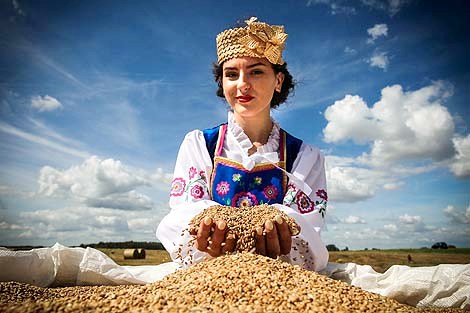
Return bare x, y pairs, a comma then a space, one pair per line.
213, 238
277, 239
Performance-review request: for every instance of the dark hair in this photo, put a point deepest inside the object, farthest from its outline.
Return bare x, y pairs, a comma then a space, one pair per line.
278, 97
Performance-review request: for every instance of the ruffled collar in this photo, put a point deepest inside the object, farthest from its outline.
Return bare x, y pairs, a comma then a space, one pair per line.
239, 135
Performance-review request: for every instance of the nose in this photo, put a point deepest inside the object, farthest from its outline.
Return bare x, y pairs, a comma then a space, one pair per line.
243, 84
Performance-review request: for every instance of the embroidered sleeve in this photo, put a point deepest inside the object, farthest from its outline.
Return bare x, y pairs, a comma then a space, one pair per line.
189, 195
306, 201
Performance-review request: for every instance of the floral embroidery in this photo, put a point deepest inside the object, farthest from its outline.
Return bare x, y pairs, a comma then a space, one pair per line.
197, 192
244, 199
321, 204
177, 187
192, 172
258, 180
270, 192
196, 187
236, 177
322, 194
304, 204
289, 197
222, 188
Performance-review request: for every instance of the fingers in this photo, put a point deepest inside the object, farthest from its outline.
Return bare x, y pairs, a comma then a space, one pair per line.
203, 234
284, 235
273, 249
218, 237
260, 241
230, 242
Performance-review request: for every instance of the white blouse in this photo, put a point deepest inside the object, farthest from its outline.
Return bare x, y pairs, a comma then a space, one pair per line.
305, 199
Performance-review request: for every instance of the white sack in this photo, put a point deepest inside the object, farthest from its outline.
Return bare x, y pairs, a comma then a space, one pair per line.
444, 285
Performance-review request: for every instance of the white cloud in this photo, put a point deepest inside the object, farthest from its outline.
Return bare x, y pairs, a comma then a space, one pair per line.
17, 8
336, 6
377, 31
349, 183
6, 128
98, 183
349, 50
74, 225
46, 103
392, 7
457, 216
380, 60
401, 126
460, 165
409, 219
351, 219
390, 227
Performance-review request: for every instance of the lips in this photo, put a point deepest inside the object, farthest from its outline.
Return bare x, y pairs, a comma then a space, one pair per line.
244, 99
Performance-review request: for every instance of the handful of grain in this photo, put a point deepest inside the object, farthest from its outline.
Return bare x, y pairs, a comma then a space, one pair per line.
242, 222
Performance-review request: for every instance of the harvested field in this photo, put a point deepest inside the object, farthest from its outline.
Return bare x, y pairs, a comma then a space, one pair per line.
381, 260
242, 282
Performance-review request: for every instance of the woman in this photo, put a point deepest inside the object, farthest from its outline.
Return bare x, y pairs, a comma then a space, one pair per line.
249, 160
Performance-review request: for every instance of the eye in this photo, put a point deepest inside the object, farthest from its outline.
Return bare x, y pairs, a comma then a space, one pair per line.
231, 74
257, 72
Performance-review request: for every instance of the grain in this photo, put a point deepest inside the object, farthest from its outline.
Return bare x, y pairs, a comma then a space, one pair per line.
244, 222
242, 282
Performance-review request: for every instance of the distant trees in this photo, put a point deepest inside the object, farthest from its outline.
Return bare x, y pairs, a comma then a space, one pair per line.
332, 248
125, 245
440, 245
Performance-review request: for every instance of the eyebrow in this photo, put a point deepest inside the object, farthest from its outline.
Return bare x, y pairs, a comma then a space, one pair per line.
249, 66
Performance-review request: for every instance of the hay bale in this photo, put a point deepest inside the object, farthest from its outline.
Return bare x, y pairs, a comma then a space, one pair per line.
141, 253
131, 254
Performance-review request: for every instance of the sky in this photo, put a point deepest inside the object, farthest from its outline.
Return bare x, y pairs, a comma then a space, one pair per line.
96, 97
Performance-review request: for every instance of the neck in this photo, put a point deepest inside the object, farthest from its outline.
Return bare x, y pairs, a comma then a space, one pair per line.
256, 128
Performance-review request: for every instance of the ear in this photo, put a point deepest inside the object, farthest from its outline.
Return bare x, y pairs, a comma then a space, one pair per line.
279, 80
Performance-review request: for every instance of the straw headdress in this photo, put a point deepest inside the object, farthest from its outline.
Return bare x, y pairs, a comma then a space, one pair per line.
256, 39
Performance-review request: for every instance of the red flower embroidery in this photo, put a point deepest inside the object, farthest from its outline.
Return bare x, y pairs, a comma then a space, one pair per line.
304, 203
222, 188
192, 172
270, 192
244, 199
322, 194
291, 187
177, 187
203, 175
197, 192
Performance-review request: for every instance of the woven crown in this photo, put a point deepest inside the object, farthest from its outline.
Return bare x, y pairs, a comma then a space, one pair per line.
256, 39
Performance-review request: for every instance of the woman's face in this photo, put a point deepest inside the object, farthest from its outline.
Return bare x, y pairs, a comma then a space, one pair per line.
249, 84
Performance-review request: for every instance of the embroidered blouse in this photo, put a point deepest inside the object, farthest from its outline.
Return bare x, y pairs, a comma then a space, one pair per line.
305, 199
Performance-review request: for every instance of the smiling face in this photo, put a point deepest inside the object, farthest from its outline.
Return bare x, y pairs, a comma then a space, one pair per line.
248, 84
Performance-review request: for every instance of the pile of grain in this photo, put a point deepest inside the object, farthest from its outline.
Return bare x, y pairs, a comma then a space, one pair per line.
243, 222
242, 282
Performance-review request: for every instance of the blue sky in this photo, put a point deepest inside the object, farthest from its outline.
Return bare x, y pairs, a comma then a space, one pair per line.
96, 96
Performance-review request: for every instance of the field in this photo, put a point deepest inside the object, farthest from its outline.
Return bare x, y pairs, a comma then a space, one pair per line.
380, 260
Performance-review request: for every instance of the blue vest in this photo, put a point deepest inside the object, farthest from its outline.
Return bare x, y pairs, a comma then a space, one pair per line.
233, 185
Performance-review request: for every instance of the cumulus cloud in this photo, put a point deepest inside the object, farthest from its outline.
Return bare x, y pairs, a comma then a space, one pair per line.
46, 103
409, 219
377, 31
457, 216
351, 219
86, 224
460, 164
348, 182
400, 126
98, 183
380, 60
